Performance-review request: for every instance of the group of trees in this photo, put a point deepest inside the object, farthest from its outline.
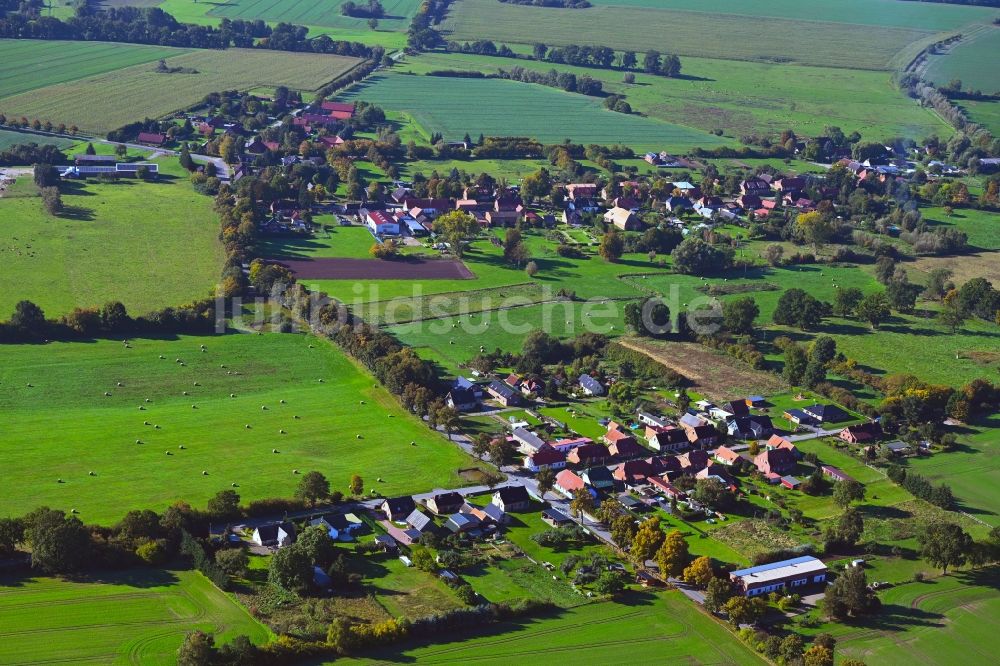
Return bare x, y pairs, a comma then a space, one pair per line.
599, 57
585, 85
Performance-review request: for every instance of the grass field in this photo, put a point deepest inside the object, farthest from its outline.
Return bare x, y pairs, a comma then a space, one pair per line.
713, 35
332, 241
986, 114
886, 13
391, 31
728, 95
10, 138
65, 410
970, 61
939, 621
104, 101
137, 616
650, 628
148, 245
30, 64
455, 106
972, 470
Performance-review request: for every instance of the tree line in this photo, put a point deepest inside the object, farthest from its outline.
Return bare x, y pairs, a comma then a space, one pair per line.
599, 57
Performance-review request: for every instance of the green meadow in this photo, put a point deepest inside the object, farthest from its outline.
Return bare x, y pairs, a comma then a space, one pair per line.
729, 36
986, 114
456, 106
11, 138
728, 95
147, 244
331, 241
224, 411
139, 616
648, 627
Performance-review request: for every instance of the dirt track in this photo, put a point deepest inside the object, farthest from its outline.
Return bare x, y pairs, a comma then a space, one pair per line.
378, 269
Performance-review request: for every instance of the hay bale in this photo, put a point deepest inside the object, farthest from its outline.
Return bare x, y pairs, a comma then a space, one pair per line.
204, 472
263, 408
358, 436
197, 384
120, 384
412, 443
60, 481
232, 395
138, 441
320, 381
156, 427
194, 406
162, 356
296, 417
92, 473
282, 401
146, 423
274, 450
147, 400
181, 447
282, 432
169, 453
247, 426
295, 471
107, 394
141, 408
184, 393
235, 485
362, 402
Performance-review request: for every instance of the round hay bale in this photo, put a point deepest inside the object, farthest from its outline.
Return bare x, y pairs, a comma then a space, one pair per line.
358, 436
59, 481
148, 400
107, 394
282, 401
320, 381
141, 408
203, 351
162, 356
181, 447
222, 365
169, 453
310, 346
184, 393
194, 406
247, 426
362, 402
138, 441
92, 473
204, 472
412, 443
295, 471
156, 427
73, 511
274, 450
235, 485
120, 384
197, 384
232, 395
146, 423
263, 408
282, 432
177, 360
32, 385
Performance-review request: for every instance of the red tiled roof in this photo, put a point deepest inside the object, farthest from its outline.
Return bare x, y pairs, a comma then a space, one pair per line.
342, 107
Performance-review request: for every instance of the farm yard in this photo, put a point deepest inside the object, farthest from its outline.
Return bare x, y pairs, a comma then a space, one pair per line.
711, 35
650, 627
107, 100
224, 411
727, 95
147, 244
136, 616
455, 106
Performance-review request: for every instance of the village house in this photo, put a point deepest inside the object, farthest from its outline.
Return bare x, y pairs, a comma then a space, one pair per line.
649, 419
757, 186
675, 204
568, 482
669, 440
575, 191
546, 457
862, 433
461, 523
836, 473
599, 478
624, 447
398, 508
798, 416
490, 513
151, 138
274, 535
718, 472
623, 218
555, 518
693, 461
775, 461
567, 445
588, 454
379, 222
512, 499
750, 427
779, 442
632, 472
790, 482
725, 455
445, 503
826, 413
503, 393
779, 576
419, 524
527, 441
591, 386
462, 399
663, 485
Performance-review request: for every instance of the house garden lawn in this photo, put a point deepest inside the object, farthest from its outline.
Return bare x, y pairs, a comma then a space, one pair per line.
651, 627
584, 421
525, 524
941, 620
147, 244
105, 101
727, 36
728, 95
64, 427
456, 106
405, 591
134, 616
519, 578
700, 539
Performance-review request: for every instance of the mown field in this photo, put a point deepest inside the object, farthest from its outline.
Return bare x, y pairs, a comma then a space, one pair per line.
986, 114
973, 61
104, 101
939, 621
31, 64
147, 244
456, 106
139, 616
729, 95
650, 628
686, 33
332, 241
59, 424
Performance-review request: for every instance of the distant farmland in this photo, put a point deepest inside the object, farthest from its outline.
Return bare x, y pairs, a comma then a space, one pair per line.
308, 12
104, 101
495, 107
692, 33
